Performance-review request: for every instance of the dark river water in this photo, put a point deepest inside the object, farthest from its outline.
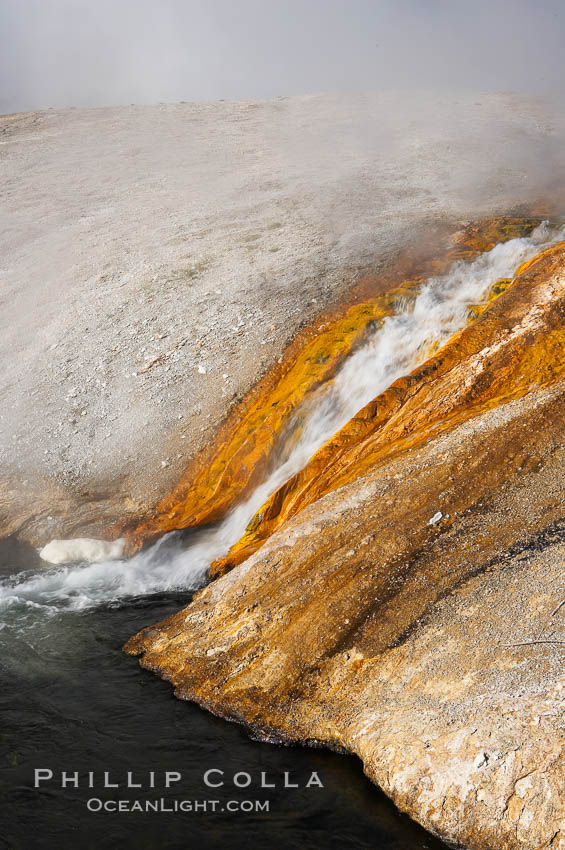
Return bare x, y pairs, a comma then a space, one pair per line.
72, 701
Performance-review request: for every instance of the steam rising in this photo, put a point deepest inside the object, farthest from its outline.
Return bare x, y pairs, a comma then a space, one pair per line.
71, 53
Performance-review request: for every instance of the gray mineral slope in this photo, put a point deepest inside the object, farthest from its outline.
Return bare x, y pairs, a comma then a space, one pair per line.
155, 261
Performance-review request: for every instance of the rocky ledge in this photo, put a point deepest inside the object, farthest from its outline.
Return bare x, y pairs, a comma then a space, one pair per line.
411, 614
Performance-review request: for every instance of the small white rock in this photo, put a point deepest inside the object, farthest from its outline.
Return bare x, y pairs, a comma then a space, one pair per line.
481, 759
436, 518
202, 369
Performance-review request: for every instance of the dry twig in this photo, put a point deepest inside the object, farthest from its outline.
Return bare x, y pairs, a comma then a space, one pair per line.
162, 357
534, 642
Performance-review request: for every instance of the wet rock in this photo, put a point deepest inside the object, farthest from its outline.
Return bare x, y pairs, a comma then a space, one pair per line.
16, 555
438, 664
514, 346
432, 651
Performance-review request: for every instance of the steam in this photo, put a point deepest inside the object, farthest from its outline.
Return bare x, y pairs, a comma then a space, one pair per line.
399, 345
64, 53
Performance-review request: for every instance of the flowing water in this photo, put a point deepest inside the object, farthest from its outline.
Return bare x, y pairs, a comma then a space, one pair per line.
72, 701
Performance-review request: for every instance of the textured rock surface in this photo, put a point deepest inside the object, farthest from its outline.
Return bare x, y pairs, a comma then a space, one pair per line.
157, 260
433, 650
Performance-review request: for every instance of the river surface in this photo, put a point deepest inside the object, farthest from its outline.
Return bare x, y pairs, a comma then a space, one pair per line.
72, 701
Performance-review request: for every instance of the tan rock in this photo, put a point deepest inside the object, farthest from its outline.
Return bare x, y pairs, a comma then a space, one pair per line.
433, 651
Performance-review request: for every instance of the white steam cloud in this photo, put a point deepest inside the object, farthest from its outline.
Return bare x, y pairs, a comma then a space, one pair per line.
110, 52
